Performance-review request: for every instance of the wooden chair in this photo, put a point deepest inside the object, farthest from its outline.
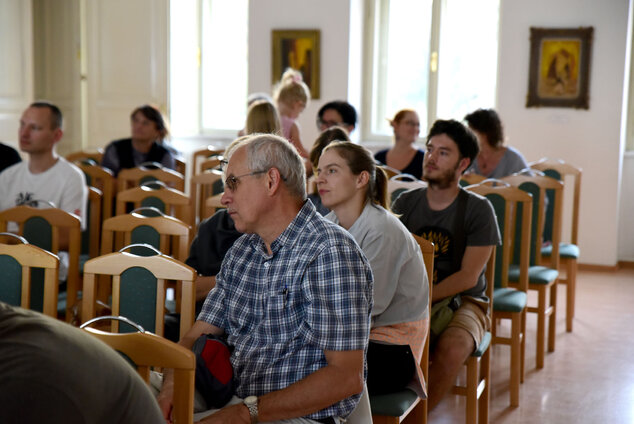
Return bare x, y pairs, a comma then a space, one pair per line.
16, 262
133, 177
147, 350
477, 387
510, 303
405, 406
41, 228
138, 288
203, 186
95, 155
200, 156
181, 166
390, 172
402, 182
90, 237
156, 194
542, 279
167, 234
469, 179
101, 178
568, 252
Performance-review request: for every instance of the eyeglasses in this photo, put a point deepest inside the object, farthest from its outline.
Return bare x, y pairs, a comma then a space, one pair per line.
328, 124
231, 182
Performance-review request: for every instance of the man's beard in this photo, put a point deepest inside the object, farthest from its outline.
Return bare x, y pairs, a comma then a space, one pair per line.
445, 180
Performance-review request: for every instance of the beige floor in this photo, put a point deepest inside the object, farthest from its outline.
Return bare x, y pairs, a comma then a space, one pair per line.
590, 376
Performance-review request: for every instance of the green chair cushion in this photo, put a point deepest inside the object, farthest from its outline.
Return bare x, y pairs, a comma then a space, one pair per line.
483, 346
566, 250
506, 299
392, 404
11, 283
536, 274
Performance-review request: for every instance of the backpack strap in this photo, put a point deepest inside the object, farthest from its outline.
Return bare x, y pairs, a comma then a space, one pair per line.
459, 238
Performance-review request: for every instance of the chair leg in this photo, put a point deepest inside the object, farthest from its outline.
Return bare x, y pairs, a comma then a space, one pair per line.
541, 324
552, 322
516, 345
523, 346
485, 374
472, 390
571, 289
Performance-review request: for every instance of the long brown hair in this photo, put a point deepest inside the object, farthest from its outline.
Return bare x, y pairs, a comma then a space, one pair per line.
359, 159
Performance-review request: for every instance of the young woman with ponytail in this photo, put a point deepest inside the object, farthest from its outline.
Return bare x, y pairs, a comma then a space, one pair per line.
355, 190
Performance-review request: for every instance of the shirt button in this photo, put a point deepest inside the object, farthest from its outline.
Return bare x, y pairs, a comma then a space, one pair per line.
266, 264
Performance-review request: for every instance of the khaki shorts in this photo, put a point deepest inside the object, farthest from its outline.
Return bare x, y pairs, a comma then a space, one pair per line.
472, 317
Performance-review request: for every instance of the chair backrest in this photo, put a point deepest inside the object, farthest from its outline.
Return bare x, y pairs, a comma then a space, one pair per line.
560, 170
102, 178
200, 156
427, 249
390, 172
16, 261
167, 234
508, 202
95, 155
133, 177
91, 235
147, 350
41, 228
156, 194
537, 185
138, 288
181, 166
470, 178
203, 186
402, 182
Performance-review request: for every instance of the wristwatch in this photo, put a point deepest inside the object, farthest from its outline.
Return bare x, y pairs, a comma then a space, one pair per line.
251, 402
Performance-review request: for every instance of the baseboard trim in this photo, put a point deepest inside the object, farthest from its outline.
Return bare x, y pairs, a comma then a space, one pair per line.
626, 264
600, 268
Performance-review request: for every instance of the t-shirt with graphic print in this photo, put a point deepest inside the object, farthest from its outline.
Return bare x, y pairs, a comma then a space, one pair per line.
480, 227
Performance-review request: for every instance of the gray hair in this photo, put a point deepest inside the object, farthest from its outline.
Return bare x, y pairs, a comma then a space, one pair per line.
266, 151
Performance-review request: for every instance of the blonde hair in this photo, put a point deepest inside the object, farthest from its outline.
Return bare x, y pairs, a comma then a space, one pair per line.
291, 88
262, 117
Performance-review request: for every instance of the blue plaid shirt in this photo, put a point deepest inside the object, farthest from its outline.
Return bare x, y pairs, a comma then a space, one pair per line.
281, 311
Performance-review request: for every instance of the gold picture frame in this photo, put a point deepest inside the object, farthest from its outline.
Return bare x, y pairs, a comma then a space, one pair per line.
559, 70
297, 49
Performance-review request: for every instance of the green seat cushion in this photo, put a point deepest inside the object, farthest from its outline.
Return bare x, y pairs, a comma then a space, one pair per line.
566, 250
392, 404
507, 299
483, 346
536, 274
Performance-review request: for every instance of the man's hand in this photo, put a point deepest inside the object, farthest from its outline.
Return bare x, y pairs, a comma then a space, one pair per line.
234, 414
166, 397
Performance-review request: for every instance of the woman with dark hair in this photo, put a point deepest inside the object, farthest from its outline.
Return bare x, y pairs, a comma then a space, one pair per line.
494, 160
148, 128
355, 190
404, 156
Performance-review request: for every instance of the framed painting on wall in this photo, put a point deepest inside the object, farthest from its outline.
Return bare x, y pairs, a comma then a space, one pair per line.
559, 70
297, 49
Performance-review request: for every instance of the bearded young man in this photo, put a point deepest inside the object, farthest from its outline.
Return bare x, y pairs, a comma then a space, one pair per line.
463, 227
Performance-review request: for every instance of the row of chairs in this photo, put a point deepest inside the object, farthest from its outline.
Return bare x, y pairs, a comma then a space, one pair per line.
522, 263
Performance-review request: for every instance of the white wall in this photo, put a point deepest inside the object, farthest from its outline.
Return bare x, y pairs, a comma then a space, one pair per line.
589, 139
332, 17
16, 69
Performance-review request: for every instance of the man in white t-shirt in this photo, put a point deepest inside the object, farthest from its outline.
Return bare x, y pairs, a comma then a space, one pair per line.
45, 176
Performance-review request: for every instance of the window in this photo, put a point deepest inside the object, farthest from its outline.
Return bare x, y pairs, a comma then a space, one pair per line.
438, 57
208, 66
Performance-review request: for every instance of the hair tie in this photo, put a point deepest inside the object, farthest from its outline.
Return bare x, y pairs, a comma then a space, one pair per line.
297, 78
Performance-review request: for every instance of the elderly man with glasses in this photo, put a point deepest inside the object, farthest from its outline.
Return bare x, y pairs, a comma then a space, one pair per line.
293, 297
